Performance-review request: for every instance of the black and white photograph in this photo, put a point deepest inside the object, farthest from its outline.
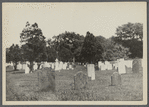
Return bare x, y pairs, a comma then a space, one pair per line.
74, 53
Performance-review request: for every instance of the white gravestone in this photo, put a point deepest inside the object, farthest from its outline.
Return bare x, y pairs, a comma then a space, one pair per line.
121, 66
64, 65
53, 65
99, 64
19, 66
26, 68
103, 66
91, 71
35, 66
109, 66
61, 65
56, 64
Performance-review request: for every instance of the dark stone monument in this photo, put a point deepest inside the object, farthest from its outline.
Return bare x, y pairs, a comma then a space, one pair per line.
115, 79
136, 66
80, 80
46, 80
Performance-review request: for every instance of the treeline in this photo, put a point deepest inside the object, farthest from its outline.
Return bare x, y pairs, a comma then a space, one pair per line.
73, 47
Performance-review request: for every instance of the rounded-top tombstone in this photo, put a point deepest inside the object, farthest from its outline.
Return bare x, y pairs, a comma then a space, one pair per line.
136, 66
80, 80
115, 79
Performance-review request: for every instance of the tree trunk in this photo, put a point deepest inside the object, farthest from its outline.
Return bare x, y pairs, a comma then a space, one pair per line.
31, 67
74, 60
15, 66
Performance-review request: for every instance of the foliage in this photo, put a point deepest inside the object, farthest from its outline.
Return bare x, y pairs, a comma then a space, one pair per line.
130, 35
88, 51
14, 54
35, 45
130, 31
68, 43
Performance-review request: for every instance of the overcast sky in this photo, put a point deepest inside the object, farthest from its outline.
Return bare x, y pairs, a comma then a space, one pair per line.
53, 19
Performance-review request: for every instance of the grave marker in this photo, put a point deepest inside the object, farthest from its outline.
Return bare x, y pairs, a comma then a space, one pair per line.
115, 79
80, 81
46, 80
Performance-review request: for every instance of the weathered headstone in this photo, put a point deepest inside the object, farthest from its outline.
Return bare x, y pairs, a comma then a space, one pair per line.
115, 79
27, 68
136, 66
80, 80
46, 80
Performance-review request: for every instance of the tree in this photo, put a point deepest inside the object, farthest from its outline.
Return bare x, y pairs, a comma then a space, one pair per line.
130, 31
14, 55
68, 43
8, 55
35, 44
114, 51
88, 51
130, 35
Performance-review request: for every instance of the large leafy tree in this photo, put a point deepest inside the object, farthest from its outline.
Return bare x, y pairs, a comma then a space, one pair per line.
114, 51
130, 31
68, 45
34, 46
14, 53
131, 36
89, 49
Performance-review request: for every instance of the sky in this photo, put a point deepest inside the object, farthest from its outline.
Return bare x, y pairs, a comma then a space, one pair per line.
55, 18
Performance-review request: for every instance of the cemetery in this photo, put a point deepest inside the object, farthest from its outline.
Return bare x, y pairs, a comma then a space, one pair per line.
73, 67
82, 83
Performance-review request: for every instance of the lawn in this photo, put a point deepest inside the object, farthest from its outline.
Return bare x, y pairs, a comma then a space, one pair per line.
24, 87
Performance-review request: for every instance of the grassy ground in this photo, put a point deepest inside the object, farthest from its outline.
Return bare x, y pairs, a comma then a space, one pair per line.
24, 87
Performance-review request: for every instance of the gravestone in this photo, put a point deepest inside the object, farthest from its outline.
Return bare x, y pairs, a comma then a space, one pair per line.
99, 64
121, 66
27, 68
109, 66
115, 79
91, 71
64, 65
80, 80
136, 66
35, 66
53, 66
46, 80
56, 64
103, 66
61, 65
19, 66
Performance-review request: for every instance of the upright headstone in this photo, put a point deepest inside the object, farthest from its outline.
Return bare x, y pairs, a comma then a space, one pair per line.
109, 66
99, 64
136, 66
91, 71
35, 66
61, 65
115, 79
46, 80
103, 66
53, 65
121, 66
27, 68
56, 64
19, 66
64, 65
80, 80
